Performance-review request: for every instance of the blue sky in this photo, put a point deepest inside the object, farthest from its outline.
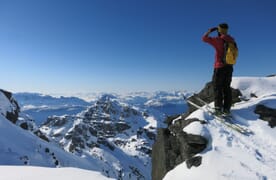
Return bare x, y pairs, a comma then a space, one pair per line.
69, 46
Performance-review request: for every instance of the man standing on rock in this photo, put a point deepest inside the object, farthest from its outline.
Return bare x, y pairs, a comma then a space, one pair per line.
222, 75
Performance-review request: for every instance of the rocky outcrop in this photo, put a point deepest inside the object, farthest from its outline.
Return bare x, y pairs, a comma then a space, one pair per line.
174, 146
266, 114
207, 94
12, 108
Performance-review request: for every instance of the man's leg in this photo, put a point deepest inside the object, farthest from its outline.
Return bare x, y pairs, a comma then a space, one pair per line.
227, 89
218, 89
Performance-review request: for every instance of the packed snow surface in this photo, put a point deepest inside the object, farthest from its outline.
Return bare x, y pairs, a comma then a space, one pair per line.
43, 173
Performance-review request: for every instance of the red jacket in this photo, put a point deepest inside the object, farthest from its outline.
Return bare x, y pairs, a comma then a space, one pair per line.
218, 44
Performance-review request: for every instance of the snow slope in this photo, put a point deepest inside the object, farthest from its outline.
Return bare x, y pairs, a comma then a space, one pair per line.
231, 155
42, 173
22, 148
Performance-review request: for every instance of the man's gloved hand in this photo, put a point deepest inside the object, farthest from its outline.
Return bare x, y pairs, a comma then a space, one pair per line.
213, 29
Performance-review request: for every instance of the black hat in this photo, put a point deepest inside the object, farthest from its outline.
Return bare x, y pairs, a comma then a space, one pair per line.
222, 28
224, 25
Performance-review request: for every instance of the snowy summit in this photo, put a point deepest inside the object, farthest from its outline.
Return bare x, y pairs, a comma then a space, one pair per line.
230, 154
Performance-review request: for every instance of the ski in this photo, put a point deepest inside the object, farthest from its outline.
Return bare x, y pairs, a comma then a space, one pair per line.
209, 108
226, 120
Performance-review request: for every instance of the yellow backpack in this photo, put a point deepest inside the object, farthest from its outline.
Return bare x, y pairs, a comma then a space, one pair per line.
231, 53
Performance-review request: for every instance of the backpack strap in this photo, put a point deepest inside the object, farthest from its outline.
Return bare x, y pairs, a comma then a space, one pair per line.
225, 47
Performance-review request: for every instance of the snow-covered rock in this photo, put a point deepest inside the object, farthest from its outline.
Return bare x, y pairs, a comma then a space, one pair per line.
8, 106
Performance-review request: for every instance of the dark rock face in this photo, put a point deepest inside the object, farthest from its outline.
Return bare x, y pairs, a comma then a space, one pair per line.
266, 114
173, 145
11, 115
41, 135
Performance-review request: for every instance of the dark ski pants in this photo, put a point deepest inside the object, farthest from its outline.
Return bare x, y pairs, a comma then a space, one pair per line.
222, 78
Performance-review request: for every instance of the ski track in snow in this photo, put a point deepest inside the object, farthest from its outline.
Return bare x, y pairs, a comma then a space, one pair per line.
251, 144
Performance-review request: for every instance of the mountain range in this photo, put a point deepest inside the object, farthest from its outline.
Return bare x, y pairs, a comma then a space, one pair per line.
111, 134
139, 135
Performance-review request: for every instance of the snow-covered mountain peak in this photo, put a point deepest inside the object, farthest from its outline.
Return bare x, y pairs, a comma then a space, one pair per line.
114, 133
107, 97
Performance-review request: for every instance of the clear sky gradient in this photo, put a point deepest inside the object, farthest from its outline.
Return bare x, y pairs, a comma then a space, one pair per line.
69, 46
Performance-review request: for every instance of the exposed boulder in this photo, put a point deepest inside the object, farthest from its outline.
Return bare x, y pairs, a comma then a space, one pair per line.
194, 161
173, 146
24, 125
266, 114
41, 135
